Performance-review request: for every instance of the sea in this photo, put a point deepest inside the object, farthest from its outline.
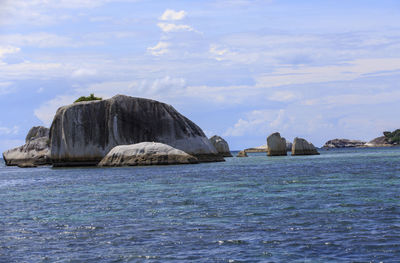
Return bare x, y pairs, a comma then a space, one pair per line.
340, 206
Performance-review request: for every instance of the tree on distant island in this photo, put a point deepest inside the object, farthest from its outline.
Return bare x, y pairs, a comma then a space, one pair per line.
88, 98
393, 137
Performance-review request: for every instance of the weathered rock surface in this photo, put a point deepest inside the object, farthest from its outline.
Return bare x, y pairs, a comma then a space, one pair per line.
302, 147
242, 154
146, 153
343, 143
259, 149
276, 145
35, 152
83, 133
221, 146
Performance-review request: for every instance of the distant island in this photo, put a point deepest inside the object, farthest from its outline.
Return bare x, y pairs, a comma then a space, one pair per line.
387, 140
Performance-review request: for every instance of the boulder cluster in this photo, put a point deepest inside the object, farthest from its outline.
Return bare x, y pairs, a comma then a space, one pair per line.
122, 130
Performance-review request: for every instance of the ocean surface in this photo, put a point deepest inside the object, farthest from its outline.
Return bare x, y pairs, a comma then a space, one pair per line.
340, 206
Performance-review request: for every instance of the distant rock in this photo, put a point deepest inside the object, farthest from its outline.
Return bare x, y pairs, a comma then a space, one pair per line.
259, 149
221, 146
146, 153
343, 143
242, 154
35, 152
83, 133
302, 147
276, 145
379, 142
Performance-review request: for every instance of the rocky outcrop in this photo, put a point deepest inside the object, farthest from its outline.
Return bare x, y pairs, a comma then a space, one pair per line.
221, 146
259, 149
276, 145
35, 152
146, 153
37, 132
378, 142
83, 133
302, 147
242, 154
343, 143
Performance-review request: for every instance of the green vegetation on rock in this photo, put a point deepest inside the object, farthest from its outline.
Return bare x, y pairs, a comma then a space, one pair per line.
88, 98
393, 137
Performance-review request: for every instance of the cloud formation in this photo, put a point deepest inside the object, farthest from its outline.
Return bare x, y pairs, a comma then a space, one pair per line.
173, 15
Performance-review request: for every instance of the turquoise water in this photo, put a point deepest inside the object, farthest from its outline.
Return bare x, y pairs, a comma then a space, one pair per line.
340, 206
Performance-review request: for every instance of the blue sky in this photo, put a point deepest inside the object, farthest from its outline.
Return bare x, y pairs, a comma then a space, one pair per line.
238, 68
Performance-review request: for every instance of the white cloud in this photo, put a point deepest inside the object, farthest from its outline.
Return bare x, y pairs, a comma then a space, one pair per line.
317, 74
5, 88
8, 50
46, 111
8, 131
84, 72
355, 99
258, 122
170, 14
160, 49
42, 40
167, 27
283, 96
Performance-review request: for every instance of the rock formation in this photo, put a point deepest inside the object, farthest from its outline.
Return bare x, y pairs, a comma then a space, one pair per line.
83, 133
303, 147
379, 142
343, 143
242, 154
221, 146
35, 152
259, 149
388, 139
146, 153
276, 145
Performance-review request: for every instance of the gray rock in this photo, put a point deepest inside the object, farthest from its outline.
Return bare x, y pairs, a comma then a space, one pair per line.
83, 133
221, 146
242, 154
276, 145
35, 152
146, 153
303, 147
343, 143
37, 132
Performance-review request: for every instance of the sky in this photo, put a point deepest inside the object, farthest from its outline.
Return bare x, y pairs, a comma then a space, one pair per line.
240, 69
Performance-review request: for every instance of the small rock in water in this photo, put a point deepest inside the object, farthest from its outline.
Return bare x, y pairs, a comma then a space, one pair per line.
242, 154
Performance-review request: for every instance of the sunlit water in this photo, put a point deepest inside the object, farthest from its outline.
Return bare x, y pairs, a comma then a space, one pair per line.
340, 206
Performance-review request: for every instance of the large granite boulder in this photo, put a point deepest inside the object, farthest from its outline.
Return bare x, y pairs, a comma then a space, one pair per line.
221, 146
276, 145
34, 152
343, 143
302, 147
83, 133
146, 153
